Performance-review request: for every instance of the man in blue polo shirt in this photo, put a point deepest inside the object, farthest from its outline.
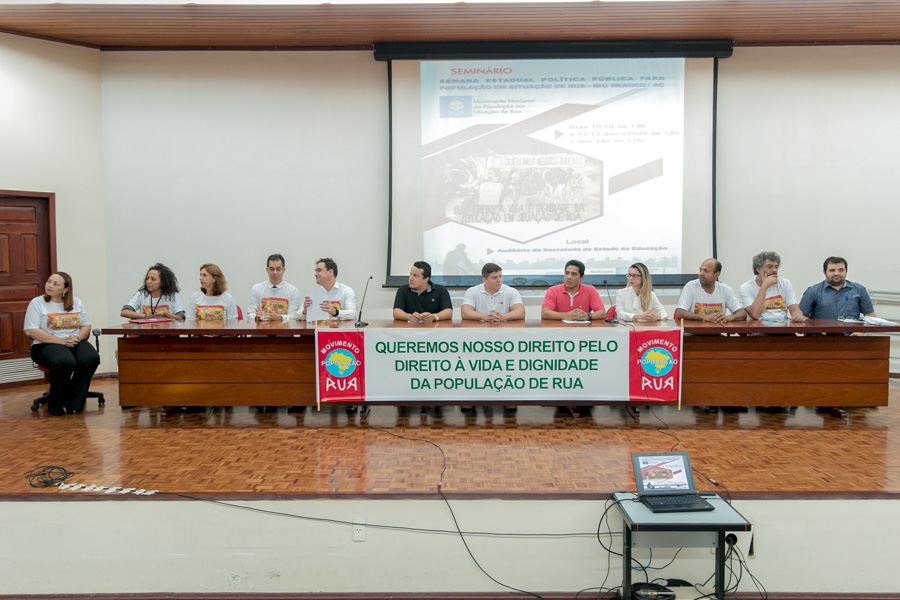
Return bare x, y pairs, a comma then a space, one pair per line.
836, 298
421, 300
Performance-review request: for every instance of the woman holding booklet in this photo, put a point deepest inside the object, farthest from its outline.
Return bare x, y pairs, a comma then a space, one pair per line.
212, 302
59, 328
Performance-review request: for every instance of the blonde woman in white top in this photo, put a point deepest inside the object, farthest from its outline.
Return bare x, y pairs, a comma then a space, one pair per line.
638, 302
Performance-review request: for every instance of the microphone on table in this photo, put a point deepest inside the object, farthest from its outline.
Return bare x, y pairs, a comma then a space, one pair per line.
359, 321
611, 303
96, 333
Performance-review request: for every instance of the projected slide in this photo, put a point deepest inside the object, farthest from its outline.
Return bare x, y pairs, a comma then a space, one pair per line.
531, 163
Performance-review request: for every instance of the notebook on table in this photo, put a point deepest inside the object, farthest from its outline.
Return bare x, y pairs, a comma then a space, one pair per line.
665, 482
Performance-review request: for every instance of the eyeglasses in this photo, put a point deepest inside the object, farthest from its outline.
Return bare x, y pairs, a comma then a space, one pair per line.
632, 276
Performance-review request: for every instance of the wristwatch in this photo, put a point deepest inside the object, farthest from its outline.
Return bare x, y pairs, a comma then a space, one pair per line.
436, 319
336, 311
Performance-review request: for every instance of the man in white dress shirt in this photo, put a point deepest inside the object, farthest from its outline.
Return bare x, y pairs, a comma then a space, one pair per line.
274, 299
340, 299
493, 300
339, 302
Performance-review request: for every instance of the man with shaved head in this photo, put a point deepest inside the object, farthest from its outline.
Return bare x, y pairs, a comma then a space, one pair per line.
706, 299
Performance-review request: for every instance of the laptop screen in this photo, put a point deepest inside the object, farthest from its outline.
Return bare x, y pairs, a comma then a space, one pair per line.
661, 473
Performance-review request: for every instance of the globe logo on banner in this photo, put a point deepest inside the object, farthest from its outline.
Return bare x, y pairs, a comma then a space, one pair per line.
657, 361
340, 363
455, 107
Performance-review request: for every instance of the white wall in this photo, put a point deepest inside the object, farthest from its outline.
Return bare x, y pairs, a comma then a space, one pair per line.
107, 547
228, 157
50, 141
807, 161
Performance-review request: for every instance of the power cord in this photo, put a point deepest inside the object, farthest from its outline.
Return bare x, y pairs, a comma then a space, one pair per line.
742, 560
715, 483
475, 560
373, 525
742, 566
663, 429
440, 491
602, 593
609, 532
47, 475
440, 484
674, 556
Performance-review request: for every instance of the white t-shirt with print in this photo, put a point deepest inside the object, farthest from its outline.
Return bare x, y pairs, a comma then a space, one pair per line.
143, 303
694, 299
211, 308
53, 318
778, 298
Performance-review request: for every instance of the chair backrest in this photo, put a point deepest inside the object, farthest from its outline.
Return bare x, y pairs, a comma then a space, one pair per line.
240, 313
611, 313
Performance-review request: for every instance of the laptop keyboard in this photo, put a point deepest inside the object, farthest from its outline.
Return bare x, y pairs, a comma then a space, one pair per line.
674, 500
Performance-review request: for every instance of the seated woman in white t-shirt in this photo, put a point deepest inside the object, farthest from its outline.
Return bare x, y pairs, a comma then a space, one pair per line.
638, 301
59, 328
157, 297
212, 302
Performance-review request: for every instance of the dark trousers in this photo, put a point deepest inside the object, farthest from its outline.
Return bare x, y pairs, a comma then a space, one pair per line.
70, 372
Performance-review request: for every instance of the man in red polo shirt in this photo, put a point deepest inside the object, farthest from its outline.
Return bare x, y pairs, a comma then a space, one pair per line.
573, 300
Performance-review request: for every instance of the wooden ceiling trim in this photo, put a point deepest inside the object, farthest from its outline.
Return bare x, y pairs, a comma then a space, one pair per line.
747, 22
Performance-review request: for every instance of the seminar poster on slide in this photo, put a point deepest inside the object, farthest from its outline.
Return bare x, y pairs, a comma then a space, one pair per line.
531, 163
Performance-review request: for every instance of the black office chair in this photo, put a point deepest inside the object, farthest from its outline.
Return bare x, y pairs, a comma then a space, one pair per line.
36, 403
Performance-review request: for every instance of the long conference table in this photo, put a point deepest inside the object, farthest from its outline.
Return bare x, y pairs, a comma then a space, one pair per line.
246, 363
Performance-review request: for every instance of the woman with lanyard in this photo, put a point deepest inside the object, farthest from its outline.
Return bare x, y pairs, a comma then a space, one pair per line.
157, 297
59, 328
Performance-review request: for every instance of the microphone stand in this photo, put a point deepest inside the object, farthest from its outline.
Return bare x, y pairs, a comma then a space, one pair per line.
359, 321
611, 303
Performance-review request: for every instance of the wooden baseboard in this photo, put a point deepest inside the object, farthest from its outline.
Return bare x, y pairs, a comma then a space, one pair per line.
39, 381
18, 384
421, 596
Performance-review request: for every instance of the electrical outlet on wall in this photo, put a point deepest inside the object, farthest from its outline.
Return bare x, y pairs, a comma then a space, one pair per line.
358, 533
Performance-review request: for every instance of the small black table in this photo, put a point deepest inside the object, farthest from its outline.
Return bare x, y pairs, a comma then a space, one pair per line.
644, 528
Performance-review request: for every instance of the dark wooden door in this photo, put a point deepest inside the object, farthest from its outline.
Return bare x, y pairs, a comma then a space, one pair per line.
27, 257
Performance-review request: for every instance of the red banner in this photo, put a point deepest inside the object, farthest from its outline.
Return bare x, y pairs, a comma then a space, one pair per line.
340, 367
654, 372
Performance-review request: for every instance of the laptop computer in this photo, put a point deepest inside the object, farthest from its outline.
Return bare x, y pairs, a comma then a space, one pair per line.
665, 482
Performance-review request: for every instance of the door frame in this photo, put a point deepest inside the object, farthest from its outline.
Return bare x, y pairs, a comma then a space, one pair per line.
50, 198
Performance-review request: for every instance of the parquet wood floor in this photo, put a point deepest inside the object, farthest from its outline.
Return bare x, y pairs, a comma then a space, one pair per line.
535, 452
